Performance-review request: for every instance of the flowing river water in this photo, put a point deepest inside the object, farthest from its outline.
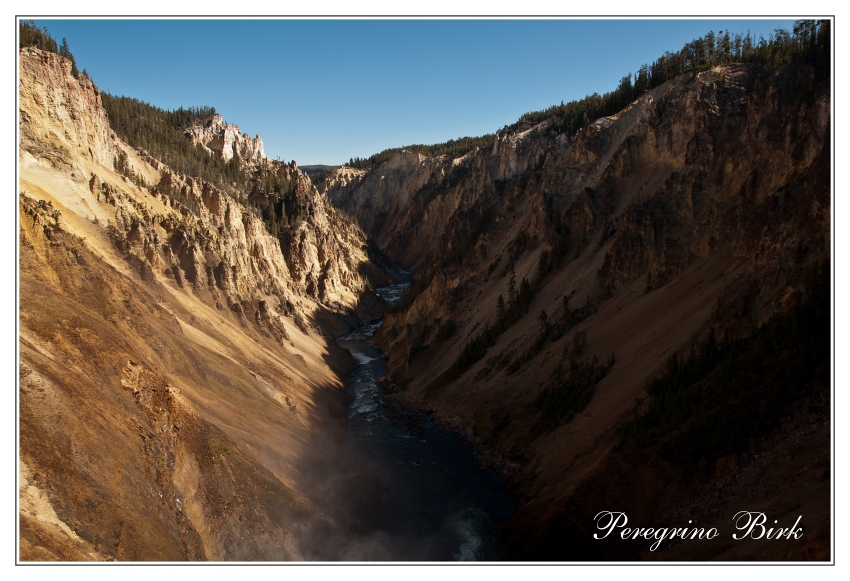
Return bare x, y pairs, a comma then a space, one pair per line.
437, 504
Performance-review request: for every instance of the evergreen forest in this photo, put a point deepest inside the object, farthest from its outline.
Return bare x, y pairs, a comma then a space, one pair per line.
808, 43
161, 134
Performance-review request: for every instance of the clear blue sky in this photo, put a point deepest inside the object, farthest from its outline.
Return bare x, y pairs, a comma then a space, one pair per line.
325, 91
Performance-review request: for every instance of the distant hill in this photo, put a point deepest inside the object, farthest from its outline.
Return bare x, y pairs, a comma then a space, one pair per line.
314, 169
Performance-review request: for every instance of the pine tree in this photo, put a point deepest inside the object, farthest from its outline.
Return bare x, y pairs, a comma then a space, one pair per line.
500, 310
543, 319
273, 227
568, 312
65, 52
579, 343
512, 296
524, 293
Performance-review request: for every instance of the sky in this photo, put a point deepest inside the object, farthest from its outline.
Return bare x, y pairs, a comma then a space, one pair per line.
324, 91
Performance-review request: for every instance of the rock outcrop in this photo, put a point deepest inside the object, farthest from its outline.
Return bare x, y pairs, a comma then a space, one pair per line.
53, 128
224, 139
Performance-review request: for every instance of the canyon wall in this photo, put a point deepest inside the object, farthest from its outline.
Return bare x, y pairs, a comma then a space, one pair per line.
180, 389
695, 210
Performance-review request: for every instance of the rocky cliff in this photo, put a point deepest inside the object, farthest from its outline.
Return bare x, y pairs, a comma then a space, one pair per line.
224, 139
46, 81
696, 209
179, 386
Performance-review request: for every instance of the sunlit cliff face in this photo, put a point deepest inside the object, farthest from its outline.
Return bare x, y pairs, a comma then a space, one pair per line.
177, 379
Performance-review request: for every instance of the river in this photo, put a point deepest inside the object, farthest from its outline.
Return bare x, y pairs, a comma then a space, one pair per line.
437, 504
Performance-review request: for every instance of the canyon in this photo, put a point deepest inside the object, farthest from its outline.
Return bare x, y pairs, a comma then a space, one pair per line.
693, 211
181, 384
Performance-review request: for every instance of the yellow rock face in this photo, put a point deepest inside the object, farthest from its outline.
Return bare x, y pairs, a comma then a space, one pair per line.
177, 379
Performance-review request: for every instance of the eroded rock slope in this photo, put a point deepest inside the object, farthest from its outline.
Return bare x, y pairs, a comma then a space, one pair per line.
179, 383
696, 209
